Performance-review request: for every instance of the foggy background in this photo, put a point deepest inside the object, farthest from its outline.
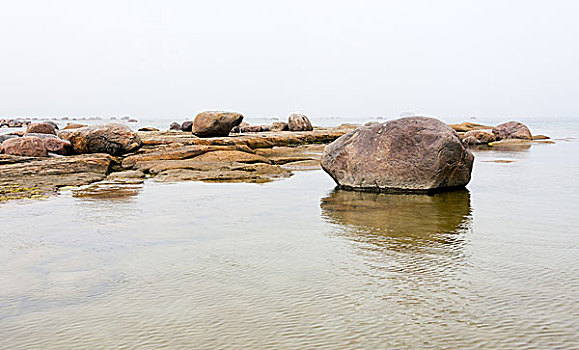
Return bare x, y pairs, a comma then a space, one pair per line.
362, 59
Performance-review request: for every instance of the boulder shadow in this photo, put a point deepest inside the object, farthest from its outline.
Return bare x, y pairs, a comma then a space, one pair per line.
400, 221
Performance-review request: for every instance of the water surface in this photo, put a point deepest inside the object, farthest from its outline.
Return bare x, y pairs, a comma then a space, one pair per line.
298, 264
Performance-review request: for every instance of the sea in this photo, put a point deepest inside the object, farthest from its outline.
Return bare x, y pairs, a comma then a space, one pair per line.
299, 264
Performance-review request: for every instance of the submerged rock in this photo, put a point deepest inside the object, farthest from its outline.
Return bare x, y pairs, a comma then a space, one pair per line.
408, 154
41, 128
299, 122
214, 124
25, 146
512, 130
112, 138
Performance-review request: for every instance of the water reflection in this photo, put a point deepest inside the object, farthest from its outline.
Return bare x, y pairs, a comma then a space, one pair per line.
399, 221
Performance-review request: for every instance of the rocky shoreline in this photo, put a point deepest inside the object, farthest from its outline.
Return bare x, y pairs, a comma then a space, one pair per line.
175, 155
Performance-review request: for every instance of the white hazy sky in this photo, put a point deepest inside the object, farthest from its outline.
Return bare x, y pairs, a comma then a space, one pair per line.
165, 59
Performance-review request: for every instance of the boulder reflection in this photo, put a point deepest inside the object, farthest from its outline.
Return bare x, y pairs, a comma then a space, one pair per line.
399, 221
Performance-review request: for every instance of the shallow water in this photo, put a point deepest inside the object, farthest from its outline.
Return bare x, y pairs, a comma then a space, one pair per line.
297, 264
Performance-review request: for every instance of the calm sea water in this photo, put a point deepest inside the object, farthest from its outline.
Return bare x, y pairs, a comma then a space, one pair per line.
297, 264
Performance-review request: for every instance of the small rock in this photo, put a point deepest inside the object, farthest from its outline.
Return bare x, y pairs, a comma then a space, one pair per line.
148, 128
187, 125
279, 126
512, 130
73, 126
215, 124
25, 146
541, 137
481, 136
175, 126
41, 128
299, 122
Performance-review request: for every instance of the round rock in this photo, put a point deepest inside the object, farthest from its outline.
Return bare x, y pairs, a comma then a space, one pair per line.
512, 130
413, 154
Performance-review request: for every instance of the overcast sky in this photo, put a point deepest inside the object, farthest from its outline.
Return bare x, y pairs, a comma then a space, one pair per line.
452, 59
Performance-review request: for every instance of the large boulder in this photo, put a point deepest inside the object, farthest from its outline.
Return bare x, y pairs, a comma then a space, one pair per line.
512, 130
41, 128
210, 124
413, 154
25, 146
112, 138
299, 122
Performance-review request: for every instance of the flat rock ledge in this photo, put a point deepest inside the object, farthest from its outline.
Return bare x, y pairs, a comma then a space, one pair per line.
168, 156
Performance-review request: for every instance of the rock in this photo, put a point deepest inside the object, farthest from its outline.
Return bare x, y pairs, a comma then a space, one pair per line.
112, 138
215, 124
237, 129
279, 126
481, 137
52, 123
467, 126
148, 128
175, 126
541, 137
299, 122
41, 128
58, 146
25, 146
471, 140
413, 154
512, 130
254, 128
19, 133
187, 125
73, 126
49, 173
132, 120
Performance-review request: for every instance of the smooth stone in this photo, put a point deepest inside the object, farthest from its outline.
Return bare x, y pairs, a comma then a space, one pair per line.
413, 154
215, 124
512, 130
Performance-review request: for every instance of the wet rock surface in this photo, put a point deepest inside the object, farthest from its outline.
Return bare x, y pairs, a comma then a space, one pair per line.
413, 154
